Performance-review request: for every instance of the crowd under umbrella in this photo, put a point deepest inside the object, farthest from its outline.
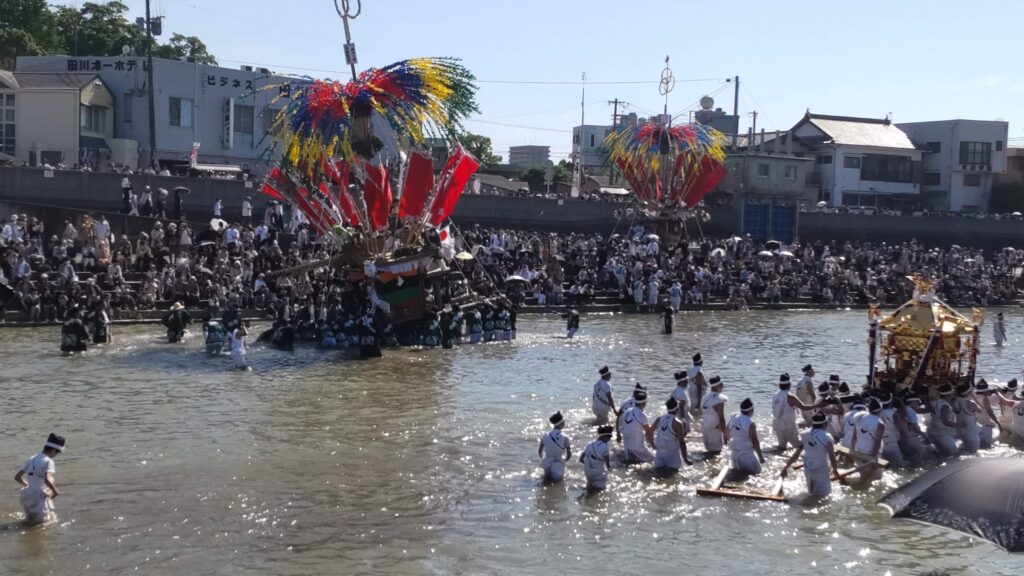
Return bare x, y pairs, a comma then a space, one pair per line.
982, 497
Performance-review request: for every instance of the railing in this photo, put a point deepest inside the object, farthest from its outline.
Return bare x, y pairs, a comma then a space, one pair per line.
1015, 142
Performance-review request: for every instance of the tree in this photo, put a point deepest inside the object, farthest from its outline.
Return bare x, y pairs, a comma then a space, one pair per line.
479, 146
181, 47
97, 30
536, 178
27, 28
563, 172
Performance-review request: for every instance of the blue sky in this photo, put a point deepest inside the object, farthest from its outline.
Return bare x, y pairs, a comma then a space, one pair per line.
917, 60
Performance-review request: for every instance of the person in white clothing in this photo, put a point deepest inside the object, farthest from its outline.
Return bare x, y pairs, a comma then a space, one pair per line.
966, 410
218, 206
1017, 426
867, 435
987, 421
637, 432
681, 395
670, 432
858, 409
713, 429
1006, 396
744, 445
784, 408
554, 450
805, 389
698, 385
238, 350
596, 460
601, 400
817, 448
890, 432
999, 329
37, 486
942, 428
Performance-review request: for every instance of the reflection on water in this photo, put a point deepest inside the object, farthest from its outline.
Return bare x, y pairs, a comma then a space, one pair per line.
425, 462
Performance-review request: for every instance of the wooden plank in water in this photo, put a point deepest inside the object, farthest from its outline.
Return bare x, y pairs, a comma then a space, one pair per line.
862, 457
720, 480
737, 493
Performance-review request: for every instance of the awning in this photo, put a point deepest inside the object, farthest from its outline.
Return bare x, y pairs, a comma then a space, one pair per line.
215, 168
93, 143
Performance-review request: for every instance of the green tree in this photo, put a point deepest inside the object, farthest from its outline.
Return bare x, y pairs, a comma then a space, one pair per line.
536, 178
97, 30
479, 146
27, 28
563, 172
181, 46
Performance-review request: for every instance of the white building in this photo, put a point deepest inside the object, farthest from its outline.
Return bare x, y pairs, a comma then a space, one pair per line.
595, 159
527, 157
861, 161
960, 161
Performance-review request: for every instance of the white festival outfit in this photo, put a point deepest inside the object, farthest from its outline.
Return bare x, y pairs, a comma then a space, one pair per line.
553, 462
594, 468
784, 420
35, 498
667, 453
599, 403
741, 449
631, 424
942, 436
816, 467
713, 437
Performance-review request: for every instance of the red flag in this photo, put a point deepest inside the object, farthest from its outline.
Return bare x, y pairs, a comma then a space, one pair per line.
271, 185
419, 179
341, 177
702, 181
377, 194
451, 187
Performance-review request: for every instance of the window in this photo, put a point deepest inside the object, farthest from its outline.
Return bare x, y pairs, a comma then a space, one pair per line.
976, 153
129, 100
763, 169
243, 118
181, 112
999, 145
269, 115
591, 140
972, 180
789, 172
886, 168
932, 178
851, 162
92, 118
933, 147
7, 123
824, 159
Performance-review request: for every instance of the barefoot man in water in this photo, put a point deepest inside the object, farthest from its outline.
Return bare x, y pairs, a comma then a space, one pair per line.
601, 401
36, 479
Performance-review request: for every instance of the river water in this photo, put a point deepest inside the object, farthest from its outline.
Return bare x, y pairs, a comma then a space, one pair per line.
424, 462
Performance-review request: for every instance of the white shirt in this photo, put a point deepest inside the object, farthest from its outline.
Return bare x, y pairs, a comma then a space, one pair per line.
816, 442
632, 427
217, 208
102, 230
707, 407
554, 446
785, 415
867, 431
246, 208
739, 442
35, 469
594, 456
231, 235
601, 391
680, 393
237, 343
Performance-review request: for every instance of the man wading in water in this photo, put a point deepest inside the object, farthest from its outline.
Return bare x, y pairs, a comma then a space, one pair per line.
36, 479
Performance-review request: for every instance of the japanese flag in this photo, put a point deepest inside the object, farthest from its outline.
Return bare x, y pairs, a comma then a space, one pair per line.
447, 242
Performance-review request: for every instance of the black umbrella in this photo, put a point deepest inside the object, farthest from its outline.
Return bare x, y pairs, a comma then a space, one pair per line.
772, 244
983, 497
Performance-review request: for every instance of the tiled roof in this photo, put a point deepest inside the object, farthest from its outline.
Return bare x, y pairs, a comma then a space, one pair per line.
53, 80
846, 130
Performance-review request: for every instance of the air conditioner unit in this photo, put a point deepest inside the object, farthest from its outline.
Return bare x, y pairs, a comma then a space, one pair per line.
246, 68
263, 70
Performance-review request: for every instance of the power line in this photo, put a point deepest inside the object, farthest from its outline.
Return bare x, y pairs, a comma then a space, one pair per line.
542, 129
589, 82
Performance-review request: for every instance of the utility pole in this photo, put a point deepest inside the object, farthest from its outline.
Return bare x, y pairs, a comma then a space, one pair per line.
754, 127
615, 126
151, 90
736, 109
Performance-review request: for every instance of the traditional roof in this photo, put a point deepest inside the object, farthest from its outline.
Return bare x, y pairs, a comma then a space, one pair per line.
37, 80
7, 80
852, 131
500, 182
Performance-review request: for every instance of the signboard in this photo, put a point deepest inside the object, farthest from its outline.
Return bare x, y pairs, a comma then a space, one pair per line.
228, 135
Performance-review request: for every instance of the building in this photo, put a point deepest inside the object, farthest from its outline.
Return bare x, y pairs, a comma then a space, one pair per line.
716, 118
960, 163
227, 112
861, 161
588, 140
527, 157
56, 118
1014, 173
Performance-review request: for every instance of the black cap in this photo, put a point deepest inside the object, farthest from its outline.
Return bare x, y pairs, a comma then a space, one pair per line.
784, 381
945, 390
747, 405
671, 404
824, 387
874, 405
844, 388
963, 389
715, 381
981, 385
604, 371
55, 441
833, 378
808, 368
1012, 384
556, 419
680, 375
819, 419
697, 359
605, 430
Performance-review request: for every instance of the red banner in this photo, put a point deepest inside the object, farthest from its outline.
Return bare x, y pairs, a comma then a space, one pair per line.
452, 185
419, 180
377, 193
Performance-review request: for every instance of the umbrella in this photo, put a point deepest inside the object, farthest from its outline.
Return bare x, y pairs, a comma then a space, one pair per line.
497, 250
786, 254
181, 189
718, 252
218, 224
772, 245
1016, 214
765, 254
464, 256
516, 278
654, 237
979, 496
822, 204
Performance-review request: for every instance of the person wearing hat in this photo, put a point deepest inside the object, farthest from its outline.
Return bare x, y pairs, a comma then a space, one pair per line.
892, 430
987, 421
999, 329
744, 445
942, 427
833, 383
966, 410
819, 454
713, 429
670, 432
698, 385
554, 450
681, 395
909, 409
784, 407
73, 335
805, 389
636, 430
868, 434
176, 320
596, 460
1007, 400
36, 478
601, 400
850, 419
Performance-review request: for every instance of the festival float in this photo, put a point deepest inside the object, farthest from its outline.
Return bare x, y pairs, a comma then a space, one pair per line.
669, 168
924, 343
347, 150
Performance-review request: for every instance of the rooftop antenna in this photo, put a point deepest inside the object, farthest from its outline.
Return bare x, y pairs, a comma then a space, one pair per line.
344, 9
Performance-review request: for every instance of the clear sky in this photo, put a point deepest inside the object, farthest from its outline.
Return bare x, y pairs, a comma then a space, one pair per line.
917, 60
